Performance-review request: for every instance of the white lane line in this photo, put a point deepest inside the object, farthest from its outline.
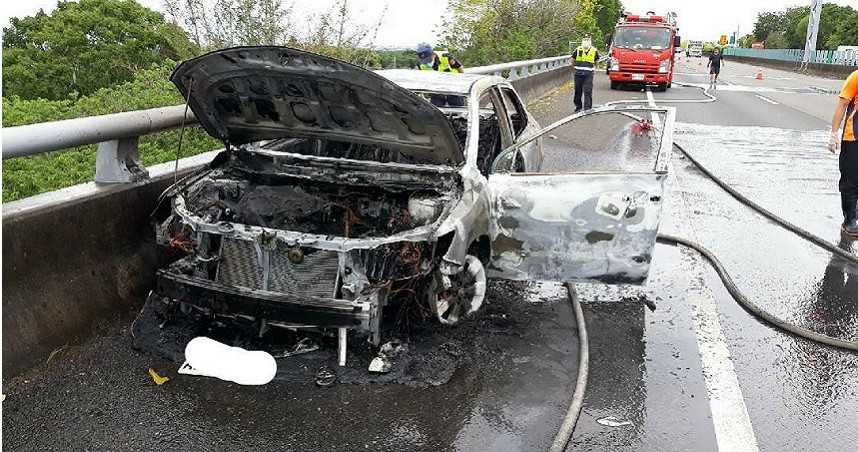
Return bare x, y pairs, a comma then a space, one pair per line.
733, 429
649, 98
767, 99
730, 419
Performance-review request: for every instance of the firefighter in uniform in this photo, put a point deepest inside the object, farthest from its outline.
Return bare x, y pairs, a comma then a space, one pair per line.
585, 66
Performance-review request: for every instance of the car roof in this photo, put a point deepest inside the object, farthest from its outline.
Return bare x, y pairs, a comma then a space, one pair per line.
434, 81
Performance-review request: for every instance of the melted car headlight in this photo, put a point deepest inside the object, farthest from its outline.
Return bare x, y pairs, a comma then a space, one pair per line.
424, 208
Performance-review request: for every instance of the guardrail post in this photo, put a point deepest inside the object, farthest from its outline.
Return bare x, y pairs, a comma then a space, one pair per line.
117, 162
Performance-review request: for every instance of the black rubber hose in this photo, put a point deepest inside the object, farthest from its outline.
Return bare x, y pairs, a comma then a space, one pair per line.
771, 216
564, 434
751, 306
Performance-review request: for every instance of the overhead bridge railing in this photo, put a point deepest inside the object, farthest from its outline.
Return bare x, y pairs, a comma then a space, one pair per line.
117, 135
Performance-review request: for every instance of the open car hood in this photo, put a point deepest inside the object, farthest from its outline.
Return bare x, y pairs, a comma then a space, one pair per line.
246, 94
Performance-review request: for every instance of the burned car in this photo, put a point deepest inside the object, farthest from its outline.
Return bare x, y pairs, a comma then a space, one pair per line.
343, 192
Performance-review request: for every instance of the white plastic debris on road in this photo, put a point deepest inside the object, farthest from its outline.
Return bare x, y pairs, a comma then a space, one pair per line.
209, 358
613, 421
387, 354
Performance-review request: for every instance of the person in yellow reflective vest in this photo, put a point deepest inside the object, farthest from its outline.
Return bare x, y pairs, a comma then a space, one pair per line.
585, 66
429, 60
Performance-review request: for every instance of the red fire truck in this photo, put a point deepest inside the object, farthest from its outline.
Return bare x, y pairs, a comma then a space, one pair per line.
642, 50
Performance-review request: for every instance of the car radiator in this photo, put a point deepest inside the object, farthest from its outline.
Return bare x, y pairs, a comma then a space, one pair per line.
244, 264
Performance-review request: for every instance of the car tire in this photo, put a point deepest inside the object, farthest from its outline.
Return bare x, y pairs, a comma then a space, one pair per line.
615, 85
472, 278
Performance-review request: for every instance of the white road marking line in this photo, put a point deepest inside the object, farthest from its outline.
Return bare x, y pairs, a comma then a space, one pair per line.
649, 98
767, 99
733, 429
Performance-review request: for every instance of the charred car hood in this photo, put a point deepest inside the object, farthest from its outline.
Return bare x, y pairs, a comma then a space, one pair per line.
247, 94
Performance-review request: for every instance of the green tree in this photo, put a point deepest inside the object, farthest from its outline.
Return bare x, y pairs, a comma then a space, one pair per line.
493, 31
397, 58
216, 24
793, 31
607, 13
586, 23
86, 45
788, 28
832, 16
776, 40
768, 22
27, 176
845, 32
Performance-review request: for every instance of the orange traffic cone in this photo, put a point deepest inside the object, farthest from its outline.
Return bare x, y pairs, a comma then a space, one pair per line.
759, 74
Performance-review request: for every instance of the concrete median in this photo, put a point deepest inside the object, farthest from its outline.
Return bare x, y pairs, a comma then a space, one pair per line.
74, 256
536, 86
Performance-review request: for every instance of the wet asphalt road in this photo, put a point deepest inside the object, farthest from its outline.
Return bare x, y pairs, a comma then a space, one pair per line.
698, 374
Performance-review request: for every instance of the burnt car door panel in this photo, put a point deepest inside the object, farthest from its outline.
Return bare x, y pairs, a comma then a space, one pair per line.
592, 212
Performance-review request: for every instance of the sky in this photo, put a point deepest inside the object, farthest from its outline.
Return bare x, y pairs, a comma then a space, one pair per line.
708, 20
408, 22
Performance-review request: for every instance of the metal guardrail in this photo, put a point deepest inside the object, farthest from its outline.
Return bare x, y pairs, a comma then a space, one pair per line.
118, 134
521, 69
842, 58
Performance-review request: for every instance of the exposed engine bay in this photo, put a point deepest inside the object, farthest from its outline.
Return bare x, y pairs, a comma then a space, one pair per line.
279, 201
278, 239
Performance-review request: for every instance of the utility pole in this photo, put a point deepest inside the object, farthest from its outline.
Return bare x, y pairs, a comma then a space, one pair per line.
812, 31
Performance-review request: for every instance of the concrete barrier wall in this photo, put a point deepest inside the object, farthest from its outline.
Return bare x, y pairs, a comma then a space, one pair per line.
85, 253
822, 70
74, 256
534, 87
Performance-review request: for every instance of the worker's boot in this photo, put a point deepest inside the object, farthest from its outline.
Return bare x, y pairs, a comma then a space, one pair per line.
850, 222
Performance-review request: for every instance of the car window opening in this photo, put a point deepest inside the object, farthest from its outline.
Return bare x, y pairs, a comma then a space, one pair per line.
489, 145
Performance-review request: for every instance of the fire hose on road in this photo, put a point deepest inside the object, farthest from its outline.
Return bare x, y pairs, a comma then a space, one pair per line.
564, 434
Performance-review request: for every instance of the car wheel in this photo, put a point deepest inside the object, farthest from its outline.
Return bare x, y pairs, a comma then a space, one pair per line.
615, 85
455, 296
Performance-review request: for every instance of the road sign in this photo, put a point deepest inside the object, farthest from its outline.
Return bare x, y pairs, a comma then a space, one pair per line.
723, 40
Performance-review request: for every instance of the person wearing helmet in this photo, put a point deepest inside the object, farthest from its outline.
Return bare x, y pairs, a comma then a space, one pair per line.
430, 60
